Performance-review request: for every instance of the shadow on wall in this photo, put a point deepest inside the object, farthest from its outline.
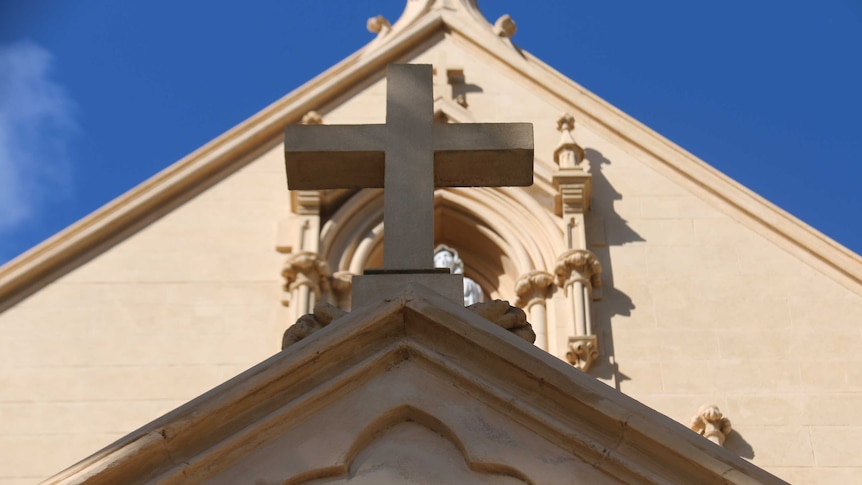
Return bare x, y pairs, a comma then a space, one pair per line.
737, 445
606, 228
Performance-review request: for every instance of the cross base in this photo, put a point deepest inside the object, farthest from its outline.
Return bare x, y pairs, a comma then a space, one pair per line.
375, 285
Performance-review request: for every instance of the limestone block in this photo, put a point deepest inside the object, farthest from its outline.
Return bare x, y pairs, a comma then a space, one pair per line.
756, 409
839, 376
641, 378
735, 377
799, 475
836, 445
661, 232
830, 409
779, 445
694, 261
664, 345
677, 207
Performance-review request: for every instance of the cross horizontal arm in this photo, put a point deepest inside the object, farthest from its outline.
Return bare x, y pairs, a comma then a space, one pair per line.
334, 156
483, 154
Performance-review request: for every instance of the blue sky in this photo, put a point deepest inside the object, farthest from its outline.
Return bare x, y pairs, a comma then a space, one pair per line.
97, 96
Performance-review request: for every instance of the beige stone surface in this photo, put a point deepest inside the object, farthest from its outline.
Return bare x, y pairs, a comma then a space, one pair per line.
709, 293
414, 389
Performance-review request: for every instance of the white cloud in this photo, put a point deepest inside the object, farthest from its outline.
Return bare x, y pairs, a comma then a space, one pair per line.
35, 127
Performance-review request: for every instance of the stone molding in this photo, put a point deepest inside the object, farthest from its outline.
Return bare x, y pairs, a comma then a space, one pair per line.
583, 351
305, 202
711, 423
578, 265
533, 287
305, 269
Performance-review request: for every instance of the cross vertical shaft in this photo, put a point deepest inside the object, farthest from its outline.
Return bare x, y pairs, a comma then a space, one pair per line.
408, 203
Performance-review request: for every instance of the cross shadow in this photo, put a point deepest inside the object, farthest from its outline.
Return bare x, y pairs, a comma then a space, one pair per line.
607, 228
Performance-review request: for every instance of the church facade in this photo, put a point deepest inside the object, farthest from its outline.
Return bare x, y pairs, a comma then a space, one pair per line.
636, 263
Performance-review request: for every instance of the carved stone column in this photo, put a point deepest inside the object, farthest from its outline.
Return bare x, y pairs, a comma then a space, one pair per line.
578, 273
711, 424
306, 281
533, 289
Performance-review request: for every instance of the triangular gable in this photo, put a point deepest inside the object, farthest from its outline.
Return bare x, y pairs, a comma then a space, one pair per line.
421, 21
411, 363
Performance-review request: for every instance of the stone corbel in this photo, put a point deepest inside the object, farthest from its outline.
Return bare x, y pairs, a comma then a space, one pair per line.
711, 424
306, 280
583, 350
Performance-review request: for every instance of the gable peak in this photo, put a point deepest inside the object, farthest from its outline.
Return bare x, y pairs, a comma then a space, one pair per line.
415, 9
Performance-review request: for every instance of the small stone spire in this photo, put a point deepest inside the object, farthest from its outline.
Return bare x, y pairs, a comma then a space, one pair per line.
568, 153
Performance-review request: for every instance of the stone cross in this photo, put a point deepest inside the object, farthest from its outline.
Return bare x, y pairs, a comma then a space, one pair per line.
408, 156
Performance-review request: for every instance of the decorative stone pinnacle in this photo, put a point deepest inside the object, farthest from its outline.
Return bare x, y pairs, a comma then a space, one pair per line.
711, 424
534, 285
568, 153
378, 25
566, 122
578, 264
505, 26
583, 351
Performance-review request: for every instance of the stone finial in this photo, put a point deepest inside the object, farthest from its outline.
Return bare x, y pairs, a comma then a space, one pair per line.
323, 315
305, 269
378, 25
534, 285
583, 351
711, 424
568, 153
577, 264
312, 118
511, 318
505, 26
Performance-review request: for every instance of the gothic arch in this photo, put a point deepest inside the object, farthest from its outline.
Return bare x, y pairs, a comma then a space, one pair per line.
501, 233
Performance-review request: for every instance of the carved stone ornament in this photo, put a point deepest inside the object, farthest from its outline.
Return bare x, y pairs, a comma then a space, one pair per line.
505, 26
378, 25
711, 424
511, 318
312, 118
305, 268
583, 351
577, 264
568, 153
532, 286
324, 314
